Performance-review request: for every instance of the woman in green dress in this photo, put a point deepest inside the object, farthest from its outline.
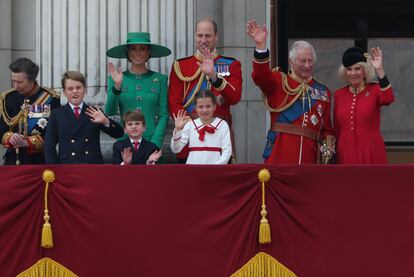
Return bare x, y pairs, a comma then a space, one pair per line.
139, 88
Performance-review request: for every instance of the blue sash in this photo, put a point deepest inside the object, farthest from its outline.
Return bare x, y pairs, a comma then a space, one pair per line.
314, 93
222, 67
190, 108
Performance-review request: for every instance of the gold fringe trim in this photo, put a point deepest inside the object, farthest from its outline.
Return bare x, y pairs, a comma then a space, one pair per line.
264, 228
47, 236
263, 265
47, 267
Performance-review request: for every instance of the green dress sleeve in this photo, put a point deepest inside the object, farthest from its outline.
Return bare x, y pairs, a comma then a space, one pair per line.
159, 132
112, 100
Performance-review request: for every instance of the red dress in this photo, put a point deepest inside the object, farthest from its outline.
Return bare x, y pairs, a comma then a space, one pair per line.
357, 124
289, 148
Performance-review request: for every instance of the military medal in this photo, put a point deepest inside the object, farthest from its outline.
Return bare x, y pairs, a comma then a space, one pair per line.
39, 111
314, 120
42, 123
222, 69
318, 94
226, 70
320, 110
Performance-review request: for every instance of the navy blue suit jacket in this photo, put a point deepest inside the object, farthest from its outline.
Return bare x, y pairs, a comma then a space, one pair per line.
78, 139
145, 149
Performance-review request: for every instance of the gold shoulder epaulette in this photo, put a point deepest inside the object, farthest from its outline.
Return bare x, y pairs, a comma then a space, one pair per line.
52, 92
277, 68
3, 112
4, 93
3, 99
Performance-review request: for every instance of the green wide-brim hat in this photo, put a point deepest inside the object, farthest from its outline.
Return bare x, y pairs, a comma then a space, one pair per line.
121, 51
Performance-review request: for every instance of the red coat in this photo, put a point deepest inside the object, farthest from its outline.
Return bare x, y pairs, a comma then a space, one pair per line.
289, 148
357, 124
185, 76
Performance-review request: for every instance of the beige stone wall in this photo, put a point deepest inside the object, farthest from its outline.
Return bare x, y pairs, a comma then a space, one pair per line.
19, 24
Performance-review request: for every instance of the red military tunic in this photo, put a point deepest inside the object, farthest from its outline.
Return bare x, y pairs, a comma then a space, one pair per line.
279, 90
186, 79
357, 124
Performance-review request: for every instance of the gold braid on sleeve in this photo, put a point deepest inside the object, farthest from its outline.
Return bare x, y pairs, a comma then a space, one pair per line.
10, 121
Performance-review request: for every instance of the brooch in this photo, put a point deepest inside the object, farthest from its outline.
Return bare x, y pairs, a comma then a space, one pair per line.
314, 120
42, 122
320, 110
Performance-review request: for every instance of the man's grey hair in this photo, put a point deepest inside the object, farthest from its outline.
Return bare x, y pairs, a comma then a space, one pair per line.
300, 44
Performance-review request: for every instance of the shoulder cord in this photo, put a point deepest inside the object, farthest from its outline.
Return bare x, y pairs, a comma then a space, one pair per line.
289, 91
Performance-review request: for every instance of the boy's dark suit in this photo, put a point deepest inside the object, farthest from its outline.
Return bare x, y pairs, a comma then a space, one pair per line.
145, 149
78, 139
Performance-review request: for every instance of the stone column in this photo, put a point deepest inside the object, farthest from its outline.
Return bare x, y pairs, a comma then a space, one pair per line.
5, 43
75, 34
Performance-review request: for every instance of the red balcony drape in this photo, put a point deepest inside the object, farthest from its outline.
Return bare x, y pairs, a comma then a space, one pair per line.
177, 220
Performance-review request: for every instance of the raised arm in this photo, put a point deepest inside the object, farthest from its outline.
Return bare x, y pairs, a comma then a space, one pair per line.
257, 33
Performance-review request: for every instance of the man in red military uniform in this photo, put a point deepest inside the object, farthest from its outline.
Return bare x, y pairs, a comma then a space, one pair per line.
299, 105
205, 69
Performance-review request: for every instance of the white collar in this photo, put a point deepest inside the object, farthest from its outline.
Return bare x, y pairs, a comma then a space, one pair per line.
73, 106
132, 141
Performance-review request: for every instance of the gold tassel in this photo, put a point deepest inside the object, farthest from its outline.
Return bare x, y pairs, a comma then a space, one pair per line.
264, 228
47, 267
263, 265
47, 236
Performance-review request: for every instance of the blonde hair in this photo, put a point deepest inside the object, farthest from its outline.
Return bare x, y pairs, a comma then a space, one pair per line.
368, 71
